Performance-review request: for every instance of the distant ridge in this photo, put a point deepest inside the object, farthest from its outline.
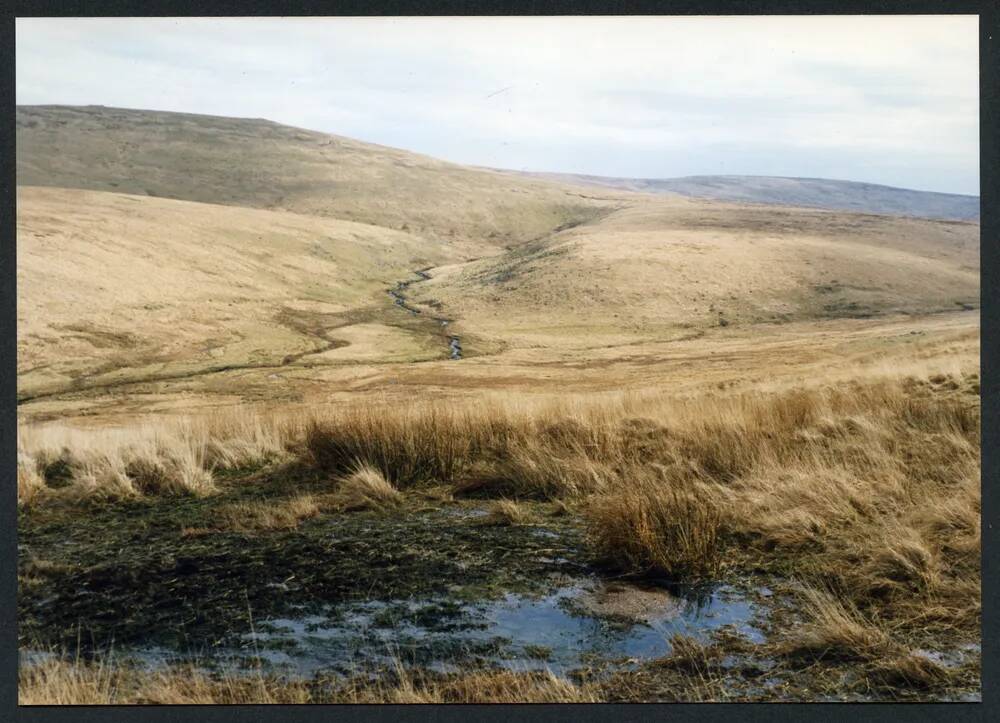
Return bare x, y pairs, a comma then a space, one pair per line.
808, 192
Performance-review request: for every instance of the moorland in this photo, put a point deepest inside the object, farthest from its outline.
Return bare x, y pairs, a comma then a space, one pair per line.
307, 419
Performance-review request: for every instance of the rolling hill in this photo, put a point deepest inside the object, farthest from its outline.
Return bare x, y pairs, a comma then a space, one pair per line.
667, 268
114, 287
259, 164
166, 251
807, 192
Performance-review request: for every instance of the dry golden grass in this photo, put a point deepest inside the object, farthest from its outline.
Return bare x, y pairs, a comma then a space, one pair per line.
836, 629
30, 483
186, 258
478, 687
651, 525
172, 457
735, 359
365, 488
842, 478
235, 441
872, 487
261, 164
268, 515
763, 426
58, 682
506, 513
218, 302
407, 446
116, 288
909, 671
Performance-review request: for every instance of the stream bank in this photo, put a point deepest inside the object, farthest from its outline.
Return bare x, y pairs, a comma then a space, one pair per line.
398, 295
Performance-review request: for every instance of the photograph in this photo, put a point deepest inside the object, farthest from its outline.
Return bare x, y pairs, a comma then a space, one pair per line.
384, 359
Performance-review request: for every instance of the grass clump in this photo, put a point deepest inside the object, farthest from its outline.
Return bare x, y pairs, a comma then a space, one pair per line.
507, 512
835, 629
161, 468
365, 488
655, 527
30, 483
265, 515
407, 447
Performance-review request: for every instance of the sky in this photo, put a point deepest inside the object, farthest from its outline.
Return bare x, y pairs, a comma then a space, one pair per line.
892, 100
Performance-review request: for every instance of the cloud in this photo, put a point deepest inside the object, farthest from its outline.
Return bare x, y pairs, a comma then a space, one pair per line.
875, 98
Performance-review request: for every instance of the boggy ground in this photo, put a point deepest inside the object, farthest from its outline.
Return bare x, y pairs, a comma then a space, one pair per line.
804, 544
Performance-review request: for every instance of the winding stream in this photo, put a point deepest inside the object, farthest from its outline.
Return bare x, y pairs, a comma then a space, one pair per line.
398, 295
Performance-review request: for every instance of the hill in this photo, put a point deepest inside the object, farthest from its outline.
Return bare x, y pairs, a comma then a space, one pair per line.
114, 287
807, 192
666, 268
196, 257
259, 164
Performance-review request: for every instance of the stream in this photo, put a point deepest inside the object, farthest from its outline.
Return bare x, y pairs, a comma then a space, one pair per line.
399, 298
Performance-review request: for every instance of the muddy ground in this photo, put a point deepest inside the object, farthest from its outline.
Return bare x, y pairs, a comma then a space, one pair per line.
435, 585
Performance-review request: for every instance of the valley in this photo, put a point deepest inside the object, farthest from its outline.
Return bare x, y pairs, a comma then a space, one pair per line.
306, 419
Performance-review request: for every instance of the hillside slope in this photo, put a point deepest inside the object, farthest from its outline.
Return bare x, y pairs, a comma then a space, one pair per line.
249, 260
807, 192
672, 266
260, 164
114, 287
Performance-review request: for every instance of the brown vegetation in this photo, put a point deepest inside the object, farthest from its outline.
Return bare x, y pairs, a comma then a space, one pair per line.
800, 403
58, 682
269, 515
507, 512
866, 492
365, 489
871, 487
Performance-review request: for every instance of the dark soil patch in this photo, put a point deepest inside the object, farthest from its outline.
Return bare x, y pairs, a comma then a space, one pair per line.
125, 573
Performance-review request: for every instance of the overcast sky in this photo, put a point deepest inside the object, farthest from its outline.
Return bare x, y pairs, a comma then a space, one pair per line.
891, 100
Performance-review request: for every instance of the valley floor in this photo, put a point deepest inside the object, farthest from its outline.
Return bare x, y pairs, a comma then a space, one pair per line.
682, 361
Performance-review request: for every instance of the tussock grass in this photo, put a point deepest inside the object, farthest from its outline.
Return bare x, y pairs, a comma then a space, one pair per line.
871, 486
162, 467
365, 489
103, 476
235, 441
507, 512
835, 629
30, 483
410, 446
652, 526
267, 515
173, 457
61, 682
